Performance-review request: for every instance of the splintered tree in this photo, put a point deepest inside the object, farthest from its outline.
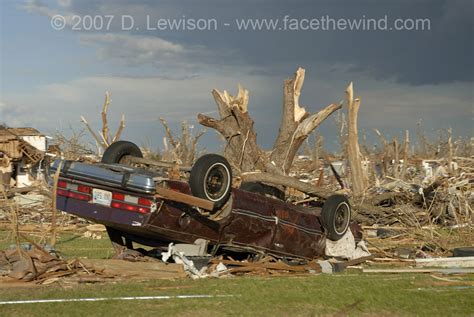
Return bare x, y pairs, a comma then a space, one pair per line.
358, 177
104, 138
242, 150
181, 149
296, 123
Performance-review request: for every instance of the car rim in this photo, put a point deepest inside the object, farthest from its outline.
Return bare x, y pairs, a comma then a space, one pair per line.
216, 181
341, 218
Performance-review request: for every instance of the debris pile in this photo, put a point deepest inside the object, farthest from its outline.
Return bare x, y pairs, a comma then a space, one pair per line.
29, 262
22, 151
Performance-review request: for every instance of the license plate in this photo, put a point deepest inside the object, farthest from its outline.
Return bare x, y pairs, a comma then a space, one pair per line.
101, 197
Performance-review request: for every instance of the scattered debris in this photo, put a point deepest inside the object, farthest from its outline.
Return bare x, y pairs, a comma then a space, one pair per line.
414, 198
137, 270
180, 258
22, 151
267, 265
454, 262
38, 265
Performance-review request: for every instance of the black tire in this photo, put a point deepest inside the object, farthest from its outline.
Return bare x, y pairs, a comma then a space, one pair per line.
262, 189
117, 150
336, 216
211, 179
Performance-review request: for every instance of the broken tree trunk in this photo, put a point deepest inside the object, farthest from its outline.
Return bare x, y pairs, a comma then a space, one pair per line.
450, 151
236, 126
355, 162
105, 139
296, 123
406, 149
396, 159
183, 148
105, 124
242, 150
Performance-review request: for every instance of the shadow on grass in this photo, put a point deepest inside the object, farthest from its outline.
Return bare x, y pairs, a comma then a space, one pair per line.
72, 238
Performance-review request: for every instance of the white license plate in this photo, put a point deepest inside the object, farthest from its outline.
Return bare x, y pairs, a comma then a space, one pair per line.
101, 197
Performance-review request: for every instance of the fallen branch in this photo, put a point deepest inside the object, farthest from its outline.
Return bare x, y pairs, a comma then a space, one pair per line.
277, 179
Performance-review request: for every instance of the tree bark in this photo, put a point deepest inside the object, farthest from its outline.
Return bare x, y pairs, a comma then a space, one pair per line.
396, 158
242, 150
296, 123
183, 148
105, 124
406, 150
450, 151
236, 126
357, 174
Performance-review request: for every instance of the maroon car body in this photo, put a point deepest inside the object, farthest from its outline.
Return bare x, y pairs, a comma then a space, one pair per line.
253, 223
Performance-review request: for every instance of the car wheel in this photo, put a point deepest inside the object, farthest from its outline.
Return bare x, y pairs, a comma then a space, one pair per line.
263, 189
336, 216
211, 179
118, 150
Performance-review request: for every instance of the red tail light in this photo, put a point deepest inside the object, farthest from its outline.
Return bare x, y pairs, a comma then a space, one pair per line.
79, 196
61, 192
135, 208
145, 202
62, 184
131, 203
84, 189
75, 191
118, 196
70, 194
119, 200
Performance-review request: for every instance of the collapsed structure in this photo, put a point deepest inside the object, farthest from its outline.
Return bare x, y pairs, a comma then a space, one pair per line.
22, 151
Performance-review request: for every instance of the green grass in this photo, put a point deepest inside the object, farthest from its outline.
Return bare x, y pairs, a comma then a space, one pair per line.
71, 245
375, 294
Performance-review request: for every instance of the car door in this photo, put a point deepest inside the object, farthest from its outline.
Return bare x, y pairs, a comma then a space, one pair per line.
298, 231
251, 224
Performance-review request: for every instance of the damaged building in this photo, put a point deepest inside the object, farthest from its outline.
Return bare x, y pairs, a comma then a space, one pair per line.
22, 151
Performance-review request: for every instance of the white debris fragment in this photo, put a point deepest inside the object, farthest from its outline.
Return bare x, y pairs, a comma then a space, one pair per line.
346, 247
180, 258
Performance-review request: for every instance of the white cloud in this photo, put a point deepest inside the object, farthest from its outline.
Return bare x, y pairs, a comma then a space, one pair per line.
385, 105
35, 6
63, 9
140, 99
65, 3
11, 115
132, 49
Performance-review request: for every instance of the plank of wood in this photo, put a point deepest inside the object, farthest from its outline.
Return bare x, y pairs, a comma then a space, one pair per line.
137, 270
465, 262
391, 260
165, 193
251, 266
22, 190
340, 266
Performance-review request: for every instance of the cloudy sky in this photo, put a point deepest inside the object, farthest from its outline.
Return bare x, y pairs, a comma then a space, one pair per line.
49, 78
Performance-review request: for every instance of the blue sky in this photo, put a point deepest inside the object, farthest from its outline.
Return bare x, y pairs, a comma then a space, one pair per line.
50, 78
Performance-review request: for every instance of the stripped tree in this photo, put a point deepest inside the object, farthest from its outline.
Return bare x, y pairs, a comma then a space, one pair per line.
181, 149
236, 126
358, 177
103, 139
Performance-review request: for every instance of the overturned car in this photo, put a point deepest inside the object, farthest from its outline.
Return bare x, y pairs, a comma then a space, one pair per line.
145, 206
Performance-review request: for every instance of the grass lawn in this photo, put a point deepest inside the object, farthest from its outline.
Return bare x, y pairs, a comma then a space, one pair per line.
338, 294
